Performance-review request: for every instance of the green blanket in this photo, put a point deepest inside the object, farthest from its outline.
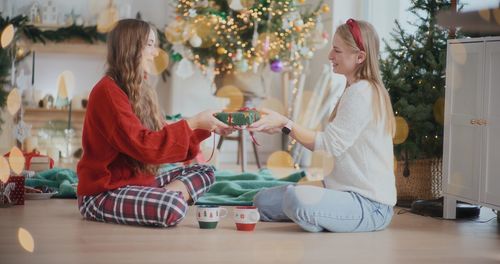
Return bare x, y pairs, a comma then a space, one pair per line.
57, 178
229, 189
239, 189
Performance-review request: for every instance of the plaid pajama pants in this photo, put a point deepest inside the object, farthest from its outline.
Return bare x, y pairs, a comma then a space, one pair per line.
149, 206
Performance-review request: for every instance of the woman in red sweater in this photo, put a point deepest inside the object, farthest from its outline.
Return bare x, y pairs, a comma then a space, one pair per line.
125, 138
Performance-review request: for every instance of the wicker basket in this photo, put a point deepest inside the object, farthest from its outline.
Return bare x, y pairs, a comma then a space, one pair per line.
423, 182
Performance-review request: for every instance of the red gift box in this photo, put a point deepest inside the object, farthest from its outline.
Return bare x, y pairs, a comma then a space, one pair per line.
13, 190
36, 162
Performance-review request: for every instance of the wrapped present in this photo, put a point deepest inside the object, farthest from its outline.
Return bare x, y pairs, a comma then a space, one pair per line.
36, 162
242, 117
12, 192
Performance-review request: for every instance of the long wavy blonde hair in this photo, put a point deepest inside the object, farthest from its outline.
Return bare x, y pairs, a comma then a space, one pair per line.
126, 43
369, 70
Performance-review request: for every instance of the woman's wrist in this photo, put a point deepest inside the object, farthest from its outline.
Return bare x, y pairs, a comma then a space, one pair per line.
192, 123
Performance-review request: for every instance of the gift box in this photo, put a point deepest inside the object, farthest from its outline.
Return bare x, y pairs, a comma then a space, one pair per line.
12, 192
36, 162
239, 118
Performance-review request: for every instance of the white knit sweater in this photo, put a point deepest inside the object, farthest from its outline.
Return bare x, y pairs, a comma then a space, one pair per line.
363, 150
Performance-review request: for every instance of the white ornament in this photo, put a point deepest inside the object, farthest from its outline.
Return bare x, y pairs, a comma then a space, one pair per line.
285, 23
304, 50
195, 41
242, 66
299, 22
21, 131
184, 69
239, 55
192, 12
79, 21
236, 5
178, 48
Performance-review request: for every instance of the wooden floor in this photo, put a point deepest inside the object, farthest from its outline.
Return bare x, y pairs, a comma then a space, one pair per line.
61, 236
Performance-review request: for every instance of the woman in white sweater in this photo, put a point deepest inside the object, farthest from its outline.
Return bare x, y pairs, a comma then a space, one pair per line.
359, 194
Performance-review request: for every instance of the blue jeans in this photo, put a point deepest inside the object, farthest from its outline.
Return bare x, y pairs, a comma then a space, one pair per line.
318, 209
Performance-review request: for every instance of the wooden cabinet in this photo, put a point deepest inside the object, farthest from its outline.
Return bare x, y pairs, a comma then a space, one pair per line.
471, 154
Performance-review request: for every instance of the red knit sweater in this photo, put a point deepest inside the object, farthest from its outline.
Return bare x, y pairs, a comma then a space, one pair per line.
112, 131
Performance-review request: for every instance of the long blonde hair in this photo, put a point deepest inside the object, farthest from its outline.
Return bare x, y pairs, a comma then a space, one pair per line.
125, 45
369, 70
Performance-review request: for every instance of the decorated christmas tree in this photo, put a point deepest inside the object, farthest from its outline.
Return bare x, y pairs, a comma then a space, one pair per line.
414, 74
224, 36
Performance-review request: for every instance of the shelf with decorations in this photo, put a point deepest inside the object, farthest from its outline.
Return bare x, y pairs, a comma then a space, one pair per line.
67, 47
48, 127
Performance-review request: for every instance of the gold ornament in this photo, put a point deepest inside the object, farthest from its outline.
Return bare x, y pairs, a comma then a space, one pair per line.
7, 35
325, 8
204, 26
268, 45
402, 130
179, 31
301, 1
221, 50
439, 110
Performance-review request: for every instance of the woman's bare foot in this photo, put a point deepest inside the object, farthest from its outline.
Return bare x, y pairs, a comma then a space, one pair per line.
178, 186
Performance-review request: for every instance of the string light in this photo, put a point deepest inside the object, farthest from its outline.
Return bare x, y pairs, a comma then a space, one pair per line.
229, 29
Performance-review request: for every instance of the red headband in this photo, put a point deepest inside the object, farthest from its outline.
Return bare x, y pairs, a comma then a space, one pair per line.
356, 33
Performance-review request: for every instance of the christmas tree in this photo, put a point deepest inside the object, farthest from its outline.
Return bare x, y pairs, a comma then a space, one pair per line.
414, 74
240, 35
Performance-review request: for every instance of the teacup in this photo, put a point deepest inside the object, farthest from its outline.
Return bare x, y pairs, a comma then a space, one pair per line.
246, 217
209, 215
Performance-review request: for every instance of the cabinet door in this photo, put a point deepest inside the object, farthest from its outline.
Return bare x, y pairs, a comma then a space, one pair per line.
462, 139
490, 186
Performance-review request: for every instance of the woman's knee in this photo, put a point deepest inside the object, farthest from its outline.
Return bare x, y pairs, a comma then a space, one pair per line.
270, 203
174, 213
207, 170
298, 210
292, 207
210, 172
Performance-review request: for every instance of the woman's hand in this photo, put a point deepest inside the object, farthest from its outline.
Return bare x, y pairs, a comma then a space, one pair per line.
224, 131
206, 120
270, 122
